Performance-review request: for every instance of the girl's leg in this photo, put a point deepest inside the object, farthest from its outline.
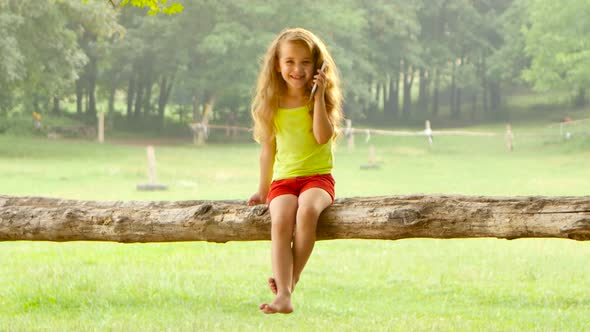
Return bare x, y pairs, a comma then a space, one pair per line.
311, 203
283, 210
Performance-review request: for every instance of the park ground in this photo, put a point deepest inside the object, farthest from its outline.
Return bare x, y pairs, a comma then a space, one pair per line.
349, 285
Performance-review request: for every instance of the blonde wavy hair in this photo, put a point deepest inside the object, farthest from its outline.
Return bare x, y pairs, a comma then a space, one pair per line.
271, 84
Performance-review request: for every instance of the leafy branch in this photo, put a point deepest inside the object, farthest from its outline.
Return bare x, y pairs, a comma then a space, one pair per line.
155, 6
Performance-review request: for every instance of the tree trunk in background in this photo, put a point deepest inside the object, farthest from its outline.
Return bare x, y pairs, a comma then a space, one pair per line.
458, 103
382, 88
385, 97
423, 92
441, 22
473, 106
165, 90
112, 91
86, 101
79, 96
387, 217
48, 101
161, 98
453, 90
149, 83
378, 95
130, 96
485, 99
195, 102
35, 103
435, 92
114, 82
138, 97
495, 97
484, 85
369, 103
458, 98
55, 109
91, 91
580, 100
408, 79
393, 102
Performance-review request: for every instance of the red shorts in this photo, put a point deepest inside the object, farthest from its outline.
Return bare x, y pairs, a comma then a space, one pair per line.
297, 185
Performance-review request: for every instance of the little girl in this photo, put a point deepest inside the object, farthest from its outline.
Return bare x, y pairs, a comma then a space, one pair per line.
296, 130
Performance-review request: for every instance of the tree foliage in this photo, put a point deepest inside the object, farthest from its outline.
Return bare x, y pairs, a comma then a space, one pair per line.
558, 41
458, 55
154, 6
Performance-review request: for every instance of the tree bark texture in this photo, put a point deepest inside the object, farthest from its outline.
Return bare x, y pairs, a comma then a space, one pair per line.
387, 218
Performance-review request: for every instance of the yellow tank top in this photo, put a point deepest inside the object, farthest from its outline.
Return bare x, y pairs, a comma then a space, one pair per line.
298, 153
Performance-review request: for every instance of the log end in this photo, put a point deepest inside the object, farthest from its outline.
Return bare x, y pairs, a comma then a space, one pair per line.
578, 230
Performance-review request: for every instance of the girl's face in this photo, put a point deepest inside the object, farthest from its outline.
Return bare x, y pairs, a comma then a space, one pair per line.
295, 65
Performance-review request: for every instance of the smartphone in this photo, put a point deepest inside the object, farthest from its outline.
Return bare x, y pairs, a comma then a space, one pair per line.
315, 86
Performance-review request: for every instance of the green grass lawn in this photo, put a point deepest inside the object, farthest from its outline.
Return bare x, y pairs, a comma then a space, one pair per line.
352, 285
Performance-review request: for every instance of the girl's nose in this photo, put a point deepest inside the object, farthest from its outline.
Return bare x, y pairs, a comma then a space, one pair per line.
299, 69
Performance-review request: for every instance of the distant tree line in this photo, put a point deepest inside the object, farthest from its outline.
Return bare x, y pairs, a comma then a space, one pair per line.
399, 59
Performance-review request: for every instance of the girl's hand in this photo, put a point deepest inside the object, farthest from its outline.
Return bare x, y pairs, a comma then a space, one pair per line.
256, 199
320, 79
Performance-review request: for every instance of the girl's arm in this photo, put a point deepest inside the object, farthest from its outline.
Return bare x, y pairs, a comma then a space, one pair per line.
322, 127
267, 158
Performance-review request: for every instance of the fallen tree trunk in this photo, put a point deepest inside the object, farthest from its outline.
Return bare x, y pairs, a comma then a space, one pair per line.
388, 218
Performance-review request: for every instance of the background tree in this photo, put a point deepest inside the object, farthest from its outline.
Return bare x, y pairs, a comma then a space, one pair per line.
401, 61
41, 57
12, 64
558, 41
94, 25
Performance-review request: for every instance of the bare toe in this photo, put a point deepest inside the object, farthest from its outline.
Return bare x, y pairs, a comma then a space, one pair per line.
281, 304
272, 284
267, 308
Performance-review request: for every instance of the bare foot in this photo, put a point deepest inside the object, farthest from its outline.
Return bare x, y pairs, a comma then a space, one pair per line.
281, 305
272, 284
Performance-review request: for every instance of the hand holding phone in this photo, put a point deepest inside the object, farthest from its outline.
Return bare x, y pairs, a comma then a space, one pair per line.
315, 85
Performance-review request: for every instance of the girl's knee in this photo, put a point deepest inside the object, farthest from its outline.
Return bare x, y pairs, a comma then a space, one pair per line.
309, 210
308, 214
282, 223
